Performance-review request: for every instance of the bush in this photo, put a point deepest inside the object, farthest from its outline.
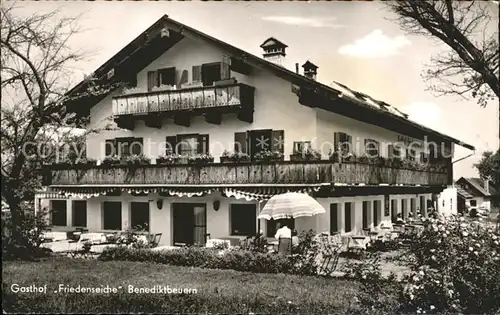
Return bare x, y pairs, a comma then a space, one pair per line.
27, 244
455, 268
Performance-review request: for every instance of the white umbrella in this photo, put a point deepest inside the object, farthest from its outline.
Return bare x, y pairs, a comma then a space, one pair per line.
291, 205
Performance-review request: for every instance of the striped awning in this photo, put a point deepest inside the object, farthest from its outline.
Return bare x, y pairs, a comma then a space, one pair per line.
246, 192
264, 193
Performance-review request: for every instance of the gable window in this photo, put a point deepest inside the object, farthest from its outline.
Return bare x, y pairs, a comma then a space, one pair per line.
342, 142
334, 218
242, 219
165, 76
259, 141
301, 146
372, 147
210, 73
79, 209
58, 212
112, 215
188, 144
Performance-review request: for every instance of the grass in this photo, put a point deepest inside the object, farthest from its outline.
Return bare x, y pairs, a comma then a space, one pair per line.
221, 291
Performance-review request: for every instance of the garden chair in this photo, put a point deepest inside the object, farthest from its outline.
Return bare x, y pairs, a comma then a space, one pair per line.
155, 239
330, 249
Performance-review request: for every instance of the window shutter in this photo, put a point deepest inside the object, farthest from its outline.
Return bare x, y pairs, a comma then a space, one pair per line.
136, 146
110, 147
390, 151
349, 145
203, 144
336, 141
152, 80
196, 73
184, 78
171, 143
240, 142
225, 68
278, 141
166, 76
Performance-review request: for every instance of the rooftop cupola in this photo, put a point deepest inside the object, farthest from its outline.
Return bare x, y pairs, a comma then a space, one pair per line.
310, 70
274, 51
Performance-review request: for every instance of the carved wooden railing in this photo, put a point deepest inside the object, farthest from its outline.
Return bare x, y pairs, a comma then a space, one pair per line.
284, 172
233, 95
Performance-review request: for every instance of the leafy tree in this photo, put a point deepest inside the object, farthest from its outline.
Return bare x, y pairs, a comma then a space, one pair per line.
489, 167
36, 66
470, 30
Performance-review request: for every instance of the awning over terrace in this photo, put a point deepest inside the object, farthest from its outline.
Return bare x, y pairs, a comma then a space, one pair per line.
239, 192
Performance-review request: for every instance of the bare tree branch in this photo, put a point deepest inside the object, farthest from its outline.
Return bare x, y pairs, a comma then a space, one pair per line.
470, 68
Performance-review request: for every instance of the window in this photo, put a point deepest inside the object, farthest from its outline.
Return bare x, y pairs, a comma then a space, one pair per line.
366, 209
58, 212
422, 205
210, 73
271, 225
164, 76
342, 142
394, 151
411, 154
301, 146
242, 219
124, 146
347, 217
112, 215
258, 141
139, 216
334, 219
79, 213
372, 148
188, 145
394, 210
473, 203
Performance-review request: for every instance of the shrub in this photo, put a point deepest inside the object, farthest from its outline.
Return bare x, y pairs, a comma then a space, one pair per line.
30, 228
455, 268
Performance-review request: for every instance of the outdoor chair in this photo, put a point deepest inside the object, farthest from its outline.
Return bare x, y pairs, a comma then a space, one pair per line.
330, 249
155, 239
285, 246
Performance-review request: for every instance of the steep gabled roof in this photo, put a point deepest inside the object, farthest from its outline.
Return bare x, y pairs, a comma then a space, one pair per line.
148, 46
271, 41
478, 189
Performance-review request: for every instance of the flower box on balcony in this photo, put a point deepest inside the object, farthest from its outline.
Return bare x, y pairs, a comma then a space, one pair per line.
85, 161
236, 157
308, 155
268, 156
200, 159
168, 159
137, 160
111, 160
225, 82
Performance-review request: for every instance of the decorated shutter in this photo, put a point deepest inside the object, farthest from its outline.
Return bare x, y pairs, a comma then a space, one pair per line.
225, 68
110, 147
203, 144
166, 76
171, 144
240, 142
136, 146
278, 141
348, 146
196, 73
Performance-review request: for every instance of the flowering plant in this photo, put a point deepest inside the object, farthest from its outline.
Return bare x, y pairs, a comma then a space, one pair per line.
168, 159
306, 155
112, 160
138, 159
269, 156
201, 158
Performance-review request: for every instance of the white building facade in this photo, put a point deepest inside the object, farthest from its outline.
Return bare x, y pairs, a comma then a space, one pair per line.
197, 97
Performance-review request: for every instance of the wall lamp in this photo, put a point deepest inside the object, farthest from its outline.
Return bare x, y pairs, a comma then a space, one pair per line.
216, 205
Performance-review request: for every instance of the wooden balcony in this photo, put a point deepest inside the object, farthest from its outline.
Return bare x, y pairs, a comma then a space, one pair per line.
285, 172
182, 104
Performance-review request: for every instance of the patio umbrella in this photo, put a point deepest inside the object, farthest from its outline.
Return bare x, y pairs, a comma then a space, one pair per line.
291, 205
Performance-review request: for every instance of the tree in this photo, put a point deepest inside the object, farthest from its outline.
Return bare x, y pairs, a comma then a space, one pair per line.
36, 67
489, 167
470, 67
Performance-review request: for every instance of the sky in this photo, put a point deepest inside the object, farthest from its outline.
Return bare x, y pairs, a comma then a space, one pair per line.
354, 43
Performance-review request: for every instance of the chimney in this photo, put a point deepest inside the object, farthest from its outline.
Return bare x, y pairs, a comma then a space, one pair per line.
274, 51
310, 70
487, 185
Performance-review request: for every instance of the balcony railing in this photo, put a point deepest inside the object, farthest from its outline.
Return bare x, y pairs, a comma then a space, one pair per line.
285, 172
227, 96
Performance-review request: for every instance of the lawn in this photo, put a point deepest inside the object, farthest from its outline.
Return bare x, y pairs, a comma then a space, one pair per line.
221, 291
